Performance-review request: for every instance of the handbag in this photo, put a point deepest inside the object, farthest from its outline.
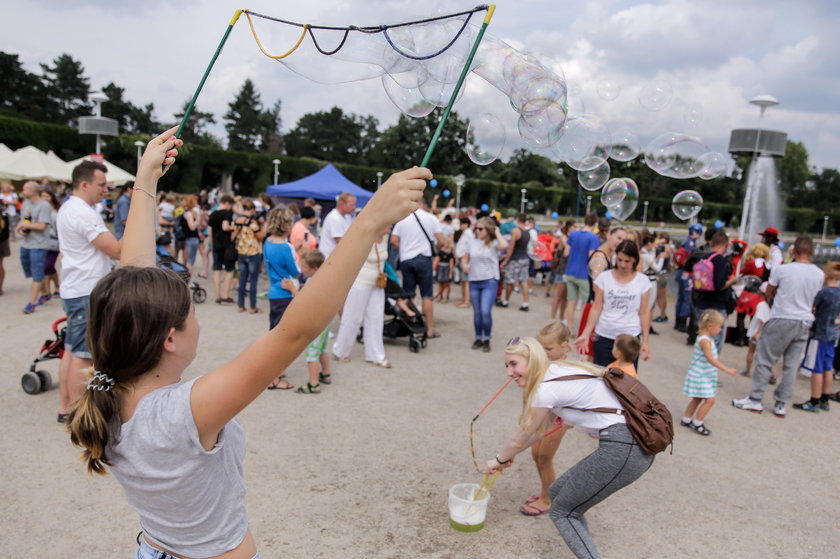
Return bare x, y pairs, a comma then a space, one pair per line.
382, 278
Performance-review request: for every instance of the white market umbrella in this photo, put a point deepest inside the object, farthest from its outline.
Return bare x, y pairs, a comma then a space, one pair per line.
32, 163
114, 175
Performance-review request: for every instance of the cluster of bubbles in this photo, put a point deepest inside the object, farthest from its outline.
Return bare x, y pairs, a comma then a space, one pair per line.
681, 156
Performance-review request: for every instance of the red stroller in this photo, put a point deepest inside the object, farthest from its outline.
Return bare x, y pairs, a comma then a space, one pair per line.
36, 380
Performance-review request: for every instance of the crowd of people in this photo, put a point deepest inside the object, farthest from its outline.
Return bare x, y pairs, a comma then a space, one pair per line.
615, 277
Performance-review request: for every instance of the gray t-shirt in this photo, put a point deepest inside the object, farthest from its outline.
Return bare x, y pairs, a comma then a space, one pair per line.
190, 500
39, 212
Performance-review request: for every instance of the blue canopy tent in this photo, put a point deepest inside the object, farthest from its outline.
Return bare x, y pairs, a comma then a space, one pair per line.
324, 185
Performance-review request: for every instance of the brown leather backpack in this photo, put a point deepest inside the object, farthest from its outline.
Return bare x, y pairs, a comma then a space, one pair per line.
647, 418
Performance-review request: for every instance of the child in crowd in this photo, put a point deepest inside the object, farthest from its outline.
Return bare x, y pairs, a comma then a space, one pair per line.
626, 351
826, 311
701, 378
444, 264
316, 352
554, 337
279, 257
757, 322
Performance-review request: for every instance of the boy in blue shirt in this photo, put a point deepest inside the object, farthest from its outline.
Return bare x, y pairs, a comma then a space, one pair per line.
280, 264
579, 247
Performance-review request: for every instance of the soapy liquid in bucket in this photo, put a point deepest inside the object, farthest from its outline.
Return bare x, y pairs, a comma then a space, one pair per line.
466, 514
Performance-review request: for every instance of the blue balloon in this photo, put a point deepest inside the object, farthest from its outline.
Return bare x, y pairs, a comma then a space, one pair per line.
484, 207
554, 215
781, 244
433, 183
837, 242
609, 215
446, 193
719, 224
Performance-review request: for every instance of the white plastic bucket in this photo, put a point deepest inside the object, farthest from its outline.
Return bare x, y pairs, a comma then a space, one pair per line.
466, 514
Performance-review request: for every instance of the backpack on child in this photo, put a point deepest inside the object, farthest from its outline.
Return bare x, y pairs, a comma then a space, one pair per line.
648, 419
703, 274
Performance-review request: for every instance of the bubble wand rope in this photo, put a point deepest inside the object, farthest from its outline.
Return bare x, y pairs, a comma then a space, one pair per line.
472, 423
461, 78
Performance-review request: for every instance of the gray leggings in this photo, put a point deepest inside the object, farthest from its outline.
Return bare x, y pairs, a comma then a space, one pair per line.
618, 462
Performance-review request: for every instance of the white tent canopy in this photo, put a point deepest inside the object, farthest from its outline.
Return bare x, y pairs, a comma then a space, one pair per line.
114, 175
6, 153
32, 163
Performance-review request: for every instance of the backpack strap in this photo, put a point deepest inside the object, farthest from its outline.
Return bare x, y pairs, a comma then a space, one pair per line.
596, 410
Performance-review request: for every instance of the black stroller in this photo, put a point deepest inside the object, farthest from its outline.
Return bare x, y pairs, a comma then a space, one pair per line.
38, 380
406, 319
167, 262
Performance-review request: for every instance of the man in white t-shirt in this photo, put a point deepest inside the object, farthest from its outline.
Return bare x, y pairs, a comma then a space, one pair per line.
87, 247
336, 223
414, 237
792, 289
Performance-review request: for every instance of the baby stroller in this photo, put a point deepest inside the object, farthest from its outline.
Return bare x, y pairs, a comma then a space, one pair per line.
167, 262
36, 380
406, 319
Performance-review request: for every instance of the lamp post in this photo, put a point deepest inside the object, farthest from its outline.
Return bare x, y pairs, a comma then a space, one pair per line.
139, 146
825, 227
276, 168
762, 102
98, 98
459, 181
522, 201
644, 214
378, 179
588, 204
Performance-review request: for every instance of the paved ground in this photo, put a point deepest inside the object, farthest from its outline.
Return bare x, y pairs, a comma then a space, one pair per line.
363, 469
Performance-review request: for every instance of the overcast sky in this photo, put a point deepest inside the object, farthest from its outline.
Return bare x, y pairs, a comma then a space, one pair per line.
716, 54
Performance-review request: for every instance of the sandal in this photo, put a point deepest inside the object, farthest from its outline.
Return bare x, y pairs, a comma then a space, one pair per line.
280, 385
528, 509
531, 499
342, 359
687, 423
701, 429
309, 389
255, 310
385, 364
325, 378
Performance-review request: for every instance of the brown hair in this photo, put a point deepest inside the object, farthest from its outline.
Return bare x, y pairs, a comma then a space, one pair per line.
628, 248
279, 221
83, 172
832, 271
313, 258
489, 226
189, 201
248, 205
628, 346
590, 219
226, 199
719, 238
132, 311
803, 245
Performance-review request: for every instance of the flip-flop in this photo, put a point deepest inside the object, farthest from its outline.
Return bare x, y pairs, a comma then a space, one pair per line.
531, 499
276, 385
431, 336
529, 509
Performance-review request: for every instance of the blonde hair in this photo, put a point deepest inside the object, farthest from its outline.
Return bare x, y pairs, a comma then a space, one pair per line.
708, 317
555, 332
489, 226
758, 250
279, 221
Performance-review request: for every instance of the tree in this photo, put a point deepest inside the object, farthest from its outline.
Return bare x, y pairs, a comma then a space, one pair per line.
67, 90
334, 136
250, 128
405, 144
195, 129
272, 140
21, 93
525, 166
794, 173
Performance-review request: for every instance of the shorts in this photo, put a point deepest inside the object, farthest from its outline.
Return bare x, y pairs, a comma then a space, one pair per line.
317, 348
532, 269
146, 551
825, 357
222, 263
49, 263
5, 249
662, 281
278, 308
32, 261
517, 271
577, 289
75, 339
417, 272
559, 278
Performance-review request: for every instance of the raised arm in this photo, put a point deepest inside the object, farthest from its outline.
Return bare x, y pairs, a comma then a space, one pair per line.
218, 396
138, 243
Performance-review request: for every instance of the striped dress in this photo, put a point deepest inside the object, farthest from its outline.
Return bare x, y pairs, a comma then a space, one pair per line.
701, 378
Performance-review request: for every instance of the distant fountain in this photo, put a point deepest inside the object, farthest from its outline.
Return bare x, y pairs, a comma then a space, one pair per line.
765, 205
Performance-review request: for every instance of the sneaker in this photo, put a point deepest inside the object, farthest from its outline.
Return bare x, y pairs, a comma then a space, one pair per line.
661, 319
485, 346
477, 344
779, 409
745, 373
29, 308
524, 308
824, 406
43, 299
748, 404
807, 406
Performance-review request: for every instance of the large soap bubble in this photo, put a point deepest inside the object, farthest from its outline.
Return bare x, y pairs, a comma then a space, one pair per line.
625, 208
595, 178
712, 165
438, 93
584, 136
408, 100
625, 145
543, 129
675, 155
687, 204
608, 89
614, 192
485, 139
693, 114
656, 95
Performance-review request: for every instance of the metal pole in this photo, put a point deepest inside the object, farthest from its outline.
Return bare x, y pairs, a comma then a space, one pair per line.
825, 227
522, 201
458, 198
379, 179
577, 207
745, 212
588, 204
644, 214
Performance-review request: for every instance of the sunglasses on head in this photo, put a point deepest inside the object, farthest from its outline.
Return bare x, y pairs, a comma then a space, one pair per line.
513, 341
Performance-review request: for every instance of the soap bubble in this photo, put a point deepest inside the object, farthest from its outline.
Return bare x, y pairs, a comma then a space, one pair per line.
594, 178
554, 215
675, 155
485, 139
539, 93
446, 193
438, 93
584, 136
614, 192
433, 183
693, 114
409, 101
687, 204
625, 208
608, 89
712, 165
656, 95
625, 145
543, 129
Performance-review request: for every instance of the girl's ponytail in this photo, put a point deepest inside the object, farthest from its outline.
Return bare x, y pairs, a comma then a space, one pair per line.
93, 420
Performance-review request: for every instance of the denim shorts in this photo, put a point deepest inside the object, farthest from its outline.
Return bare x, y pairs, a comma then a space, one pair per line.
76, 310
192, 249
32, 260
417, 272
145, 551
